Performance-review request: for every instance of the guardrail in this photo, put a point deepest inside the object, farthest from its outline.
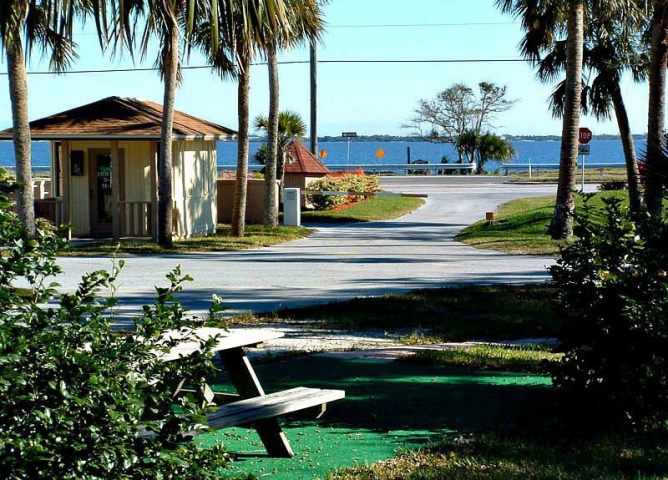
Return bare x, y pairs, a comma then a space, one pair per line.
536, 167
423, 168
435, 168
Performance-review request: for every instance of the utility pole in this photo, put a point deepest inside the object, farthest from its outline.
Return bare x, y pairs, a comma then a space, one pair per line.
314, 99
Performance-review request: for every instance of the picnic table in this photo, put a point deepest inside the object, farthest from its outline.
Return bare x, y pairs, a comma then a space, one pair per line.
251, 405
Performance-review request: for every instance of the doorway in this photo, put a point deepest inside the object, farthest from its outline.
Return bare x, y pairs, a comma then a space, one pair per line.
101, 191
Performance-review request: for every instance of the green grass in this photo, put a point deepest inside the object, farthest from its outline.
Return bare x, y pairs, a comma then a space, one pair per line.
370, 210
520, 226
493, 313
552, 176
503, 456
520, 358
256, 236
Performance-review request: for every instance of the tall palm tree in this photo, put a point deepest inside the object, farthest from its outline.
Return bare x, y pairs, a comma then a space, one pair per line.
656, 155
307, 24
272, 127
611, 48
252, 26
561, 225
544, 21
173, 22
24, 25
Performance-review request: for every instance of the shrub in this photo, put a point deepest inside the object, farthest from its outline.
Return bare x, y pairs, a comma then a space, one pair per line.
613, 185
345, 183
77, 396
614, 289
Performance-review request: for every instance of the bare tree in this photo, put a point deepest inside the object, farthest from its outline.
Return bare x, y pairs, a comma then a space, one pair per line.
457, 110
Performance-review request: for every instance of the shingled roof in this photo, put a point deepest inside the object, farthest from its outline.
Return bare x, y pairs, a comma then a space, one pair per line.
301, 160
121, 118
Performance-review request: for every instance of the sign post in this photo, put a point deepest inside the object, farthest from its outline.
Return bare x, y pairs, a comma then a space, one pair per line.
584, 137
349, 135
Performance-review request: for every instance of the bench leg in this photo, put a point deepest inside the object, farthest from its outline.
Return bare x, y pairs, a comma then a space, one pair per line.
245, 380
273, 438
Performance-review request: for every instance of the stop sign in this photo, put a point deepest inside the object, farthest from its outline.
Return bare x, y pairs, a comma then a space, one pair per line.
584, 135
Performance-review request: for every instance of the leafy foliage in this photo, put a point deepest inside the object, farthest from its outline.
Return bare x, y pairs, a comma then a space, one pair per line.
80, 400
345, 183
460, 111
614, 288
482, 147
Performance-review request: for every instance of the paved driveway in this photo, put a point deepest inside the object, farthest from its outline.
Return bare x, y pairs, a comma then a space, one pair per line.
344, 261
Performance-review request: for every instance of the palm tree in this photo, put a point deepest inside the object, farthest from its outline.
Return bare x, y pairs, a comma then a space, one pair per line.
544, 21
272, 127
482, 147
291, 126
247, 30
252, 26
561, 225
306, 23
656, 155
172, 22
611, 49
25, 24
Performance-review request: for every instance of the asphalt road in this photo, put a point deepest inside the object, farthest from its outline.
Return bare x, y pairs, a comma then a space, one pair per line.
342, 261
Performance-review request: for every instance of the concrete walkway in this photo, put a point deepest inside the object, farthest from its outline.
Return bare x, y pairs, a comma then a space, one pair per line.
343, 261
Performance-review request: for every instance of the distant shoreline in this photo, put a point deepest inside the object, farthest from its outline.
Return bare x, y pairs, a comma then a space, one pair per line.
408, 138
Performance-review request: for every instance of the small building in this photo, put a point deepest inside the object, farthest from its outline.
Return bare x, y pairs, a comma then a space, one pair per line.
104, 163
302, 167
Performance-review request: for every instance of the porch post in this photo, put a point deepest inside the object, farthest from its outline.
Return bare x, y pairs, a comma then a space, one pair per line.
153, 173
115, 190
66, 193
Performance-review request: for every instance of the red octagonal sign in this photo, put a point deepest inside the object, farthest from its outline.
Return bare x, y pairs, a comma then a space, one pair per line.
584, 135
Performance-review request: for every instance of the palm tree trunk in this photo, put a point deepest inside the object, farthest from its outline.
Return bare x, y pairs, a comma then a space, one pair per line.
241, 186
561, 226
656, 157
270, 191
18, 93
632, 173
165, 168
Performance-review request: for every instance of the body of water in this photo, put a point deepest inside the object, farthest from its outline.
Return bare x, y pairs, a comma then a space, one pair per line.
356, 152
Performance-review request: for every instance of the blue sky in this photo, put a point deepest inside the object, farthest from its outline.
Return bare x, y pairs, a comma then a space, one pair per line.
369, 98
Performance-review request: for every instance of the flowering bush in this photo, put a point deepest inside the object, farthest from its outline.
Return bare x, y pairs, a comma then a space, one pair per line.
341, 183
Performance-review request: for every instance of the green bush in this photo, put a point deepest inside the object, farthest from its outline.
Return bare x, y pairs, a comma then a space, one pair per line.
614, 288
345, 183
77, 397
613, 185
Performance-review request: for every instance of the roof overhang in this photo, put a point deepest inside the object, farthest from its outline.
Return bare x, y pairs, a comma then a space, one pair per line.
134, 138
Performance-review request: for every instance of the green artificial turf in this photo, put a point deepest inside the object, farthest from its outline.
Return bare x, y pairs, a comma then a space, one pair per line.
389, 406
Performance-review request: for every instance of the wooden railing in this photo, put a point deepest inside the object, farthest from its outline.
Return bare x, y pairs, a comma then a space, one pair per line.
50, 208
136, 219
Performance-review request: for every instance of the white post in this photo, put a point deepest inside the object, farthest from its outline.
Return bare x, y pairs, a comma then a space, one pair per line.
583, 173
292, 207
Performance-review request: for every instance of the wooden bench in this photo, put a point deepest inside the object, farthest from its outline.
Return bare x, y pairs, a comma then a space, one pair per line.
250, 405
250, 410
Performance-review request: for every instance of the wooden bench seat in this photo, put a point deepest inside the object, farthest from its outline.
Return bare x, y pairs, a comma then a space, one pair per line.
272, 405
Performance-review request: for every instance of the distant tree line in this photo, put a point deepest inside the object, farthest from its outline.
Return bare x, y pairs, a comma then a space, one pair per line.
414, 138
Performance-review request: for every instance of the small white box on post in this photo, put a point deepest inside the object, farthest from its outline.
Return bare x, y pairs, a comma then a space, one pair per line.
292, 210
